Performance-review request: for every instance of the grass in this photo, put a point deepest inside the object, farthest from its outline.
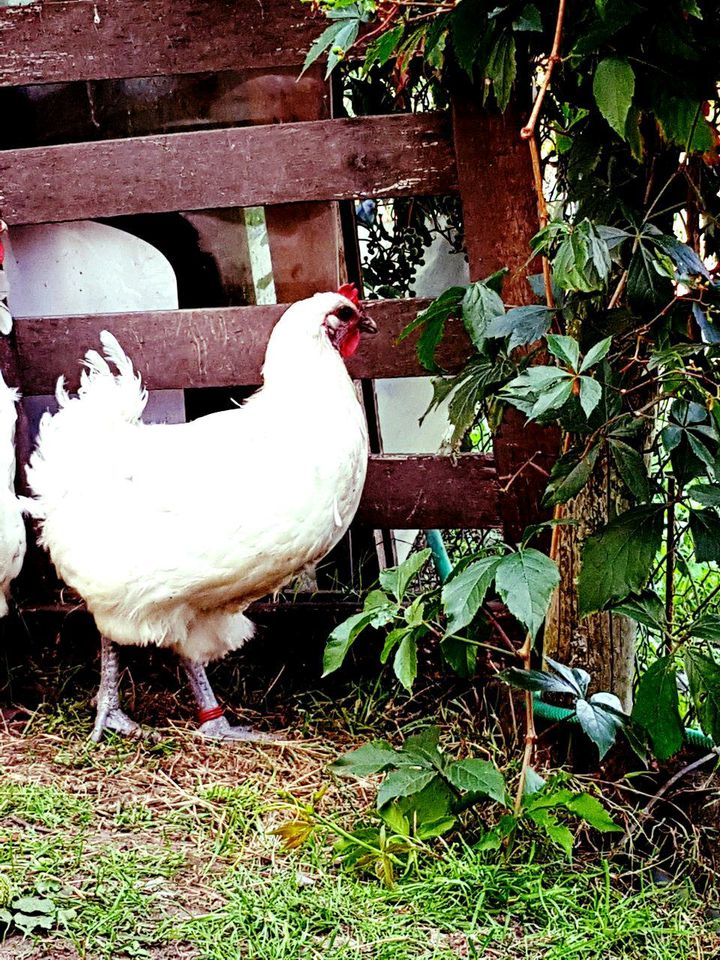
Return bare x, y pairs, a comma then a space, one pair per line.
167, 852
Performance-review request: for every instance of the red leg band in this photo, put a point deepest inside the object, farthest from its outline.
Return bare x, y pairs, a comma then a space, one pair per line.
213, 713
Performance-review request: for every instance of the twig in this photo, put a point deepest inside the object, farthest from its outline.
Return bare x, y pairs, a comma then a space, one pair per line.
713, 755
530, 735
670, 562
528, 130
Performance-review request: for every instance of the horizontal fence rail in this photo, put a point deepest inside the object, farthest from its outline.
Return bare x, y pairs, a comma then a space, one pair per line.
221, 347
405, 492
387, 156
48, 42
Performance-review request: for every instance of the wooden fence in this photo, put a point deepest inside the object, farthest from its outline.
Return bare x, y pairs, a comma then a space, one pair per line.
291, 156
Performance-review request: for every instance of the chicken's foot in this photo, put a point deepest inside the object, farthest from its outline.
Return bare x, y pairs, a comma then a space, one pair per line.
109, 716
213, 723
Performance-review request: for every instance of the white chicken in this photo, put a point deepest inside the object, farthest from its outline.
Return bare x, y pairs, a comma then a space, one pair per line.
12, 528
169, 532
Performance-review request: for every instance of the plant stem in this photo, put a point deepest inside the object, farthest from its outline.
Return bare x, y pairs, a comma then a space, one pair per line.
670, 562
528, 131
530, 736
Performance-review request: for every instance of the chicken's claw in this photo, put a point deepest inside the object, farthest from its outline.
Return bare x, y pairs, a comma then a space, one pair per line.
220, 729
115, 721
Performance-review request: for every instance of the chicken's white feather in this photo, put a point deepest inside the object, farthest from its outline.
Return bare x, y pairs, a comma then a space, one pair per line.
170, 531
12, 528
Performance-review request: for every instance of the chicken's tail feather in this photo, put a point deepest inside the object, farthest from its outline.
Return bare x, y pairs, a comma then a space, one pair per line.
104, 392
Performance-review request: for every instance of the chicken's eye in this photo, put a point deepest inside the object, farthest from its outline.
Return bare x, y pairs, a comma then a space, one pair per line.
346, 314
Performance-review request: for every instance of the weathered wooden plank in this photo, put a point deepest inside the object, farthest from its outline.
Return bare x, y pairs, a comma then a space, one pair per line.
209, 348
48, 42
500, 218
405, 492
400, 155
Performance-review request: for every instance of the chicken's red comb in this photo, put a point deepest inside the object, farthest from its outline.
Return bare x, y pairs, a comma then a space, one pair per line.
350, 291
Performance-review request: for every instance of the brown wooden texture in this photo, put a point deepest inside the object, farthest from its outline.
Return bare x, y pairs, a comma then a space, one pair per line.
304, 237
400, 155
500, 218
209, 348
404, 492
62, 40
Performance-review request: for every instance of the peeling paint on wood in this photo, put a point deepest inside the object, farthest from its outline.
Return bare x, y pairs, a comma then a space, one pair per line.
218, 347
406, 492
388, 156
47, 42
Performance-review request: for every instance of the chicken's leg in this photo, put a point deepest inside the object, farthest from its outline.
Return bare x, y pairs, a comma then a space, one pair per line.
109, 715
213, 723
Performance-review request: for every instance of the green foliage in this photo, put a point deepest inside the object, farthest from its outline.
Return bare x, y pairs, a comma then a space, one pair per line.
657, 708
600, 716
425, 793
542, 805
625, 356
617, 560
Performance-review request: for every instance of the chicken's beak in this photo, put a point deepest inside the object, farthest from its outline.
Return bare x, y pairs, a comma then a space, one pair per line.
367, 325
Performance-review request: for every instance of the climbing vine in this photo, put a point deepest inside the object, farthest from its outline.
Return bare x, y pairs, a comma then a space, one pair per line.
621, 350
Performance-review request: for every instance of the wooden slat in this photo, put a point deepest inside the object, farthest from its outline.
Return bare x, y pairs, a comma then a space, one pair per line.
63, 40
405, 492
504, 194
209, 348
400, 155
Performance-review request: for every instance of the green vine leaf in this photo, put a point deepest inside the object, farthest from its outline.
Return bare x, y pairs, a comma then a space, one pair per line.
464, 594
613, 88
657, 708
525, 581
703, 675
617, 560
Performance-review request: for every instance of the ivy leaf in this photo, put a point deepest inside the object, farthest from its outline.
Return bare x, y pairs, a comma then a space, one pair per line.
556, 832
342, 638
467, 29
459, 656
480, 306
595, 354
432, 320
707, 628
382, 49
703, 675
657, 708
681, 122
631, 467
478, 776
424, 746
405, 662
591, 811
522, 324
525, 581
646, 608
569, 475
613, 88
366, 760
705, 530
463, 595
397, 579
529, 19
617, 560
326, 40
590, 394
537, 681
501, 68
565, 349
578, 678
403, 783
553, 399
600, 718
646, 287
